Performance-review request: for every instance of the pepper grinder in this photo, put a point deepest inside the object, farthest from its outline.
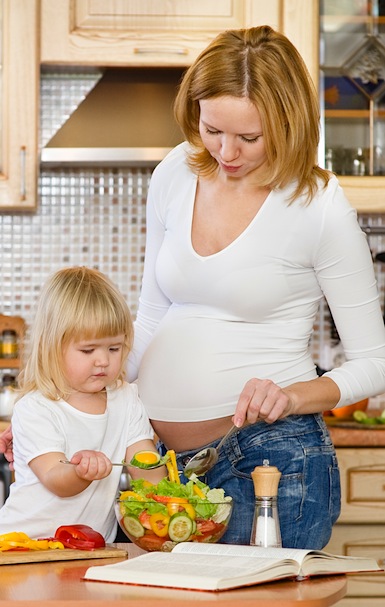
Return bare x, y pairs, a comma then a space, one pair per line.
266, 531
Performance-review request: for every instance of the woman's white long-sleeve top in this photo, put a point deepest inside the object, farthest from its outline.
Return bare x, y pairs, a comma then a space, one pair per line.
206, 325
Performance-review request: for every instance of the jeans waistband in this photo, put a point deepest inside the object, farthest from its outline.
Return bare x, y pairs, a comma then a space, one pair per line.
294, 425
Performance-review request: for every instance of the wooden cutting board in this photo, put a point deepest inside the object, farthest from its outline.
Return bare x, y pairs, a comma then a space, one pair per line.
347, 423
68, 554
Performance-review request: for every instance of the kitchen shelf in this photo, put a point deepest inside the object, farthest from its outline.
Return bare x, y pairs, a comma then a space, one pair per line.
333, 20
353, 114
9, 363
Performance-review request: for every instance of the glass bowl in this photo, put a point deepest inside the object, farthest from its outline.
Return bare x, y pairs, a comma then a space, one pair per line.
159, 525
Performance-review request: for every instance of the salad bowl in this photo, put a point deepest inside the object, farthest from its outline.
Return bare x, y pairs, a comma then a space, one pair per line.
157, 517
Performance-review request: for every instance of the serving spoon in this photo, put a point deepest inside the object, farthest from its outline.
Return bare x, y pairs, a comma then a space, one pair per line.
205, 459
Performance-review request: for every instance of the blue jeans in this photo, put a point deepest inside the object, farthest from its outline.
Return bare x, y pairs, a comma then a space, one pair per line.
309, 492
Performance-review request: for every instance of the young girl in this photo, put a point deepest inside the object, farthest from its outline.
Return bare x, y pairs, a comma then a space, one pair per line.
75, 405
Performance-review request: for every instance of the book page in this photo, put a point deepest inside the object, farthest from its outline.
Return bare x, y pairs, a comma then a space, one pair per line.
231, 550
310, 562
323, 563
200, 571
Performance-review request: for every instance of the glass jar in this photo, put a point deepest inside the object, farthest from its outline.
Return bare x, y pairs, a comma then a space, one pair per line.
9, 347
7, 396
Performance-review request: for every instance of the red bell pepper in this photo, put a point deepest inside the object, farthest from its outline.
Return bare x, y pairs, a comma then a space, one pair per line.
81, 537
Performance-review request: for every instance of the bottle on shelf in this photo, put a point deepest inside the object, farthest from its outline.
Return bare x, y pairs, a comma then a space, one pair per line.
7, 395
358, 163
9, 346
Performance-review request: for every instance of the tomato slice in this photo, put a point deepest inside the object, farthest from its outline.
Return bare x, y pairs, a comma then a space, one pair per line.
206, 525
151, 542
144, 518
81, 537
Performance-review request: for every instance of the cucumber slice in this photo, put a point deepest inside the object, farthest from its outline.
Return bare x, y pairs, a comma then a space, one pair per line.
147, 460
180, 527
133, 526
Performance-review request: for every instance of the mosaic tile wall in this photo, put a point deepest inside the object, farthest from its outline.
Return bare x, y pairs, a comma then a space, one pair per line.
96, 217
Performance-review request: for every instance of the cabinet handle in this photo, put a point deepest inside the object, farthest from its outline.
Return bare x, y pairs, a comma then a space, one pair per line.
23, 191
160, 51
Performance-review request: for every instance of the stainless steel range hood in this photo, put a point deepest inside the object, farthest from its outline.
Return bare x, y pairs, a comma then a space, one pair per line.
127, 118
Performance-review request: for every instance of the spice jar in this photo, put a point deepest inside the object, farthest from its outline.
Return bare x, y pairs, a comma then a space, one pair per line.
266, 529
9, 347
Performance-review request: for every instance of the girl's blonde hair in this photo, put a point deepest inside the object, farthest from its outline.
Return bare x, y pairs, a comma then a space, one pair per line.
76, 303
263, 66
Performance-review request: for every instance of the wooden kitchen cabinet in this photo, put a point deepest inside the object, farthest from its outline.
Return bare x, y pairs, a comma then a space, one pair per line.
173, 32
360, 530
157, 32
19, 104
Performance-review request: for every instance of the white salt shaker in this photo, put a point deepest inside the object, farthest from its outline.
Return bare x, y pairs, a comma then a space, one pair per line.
266, 530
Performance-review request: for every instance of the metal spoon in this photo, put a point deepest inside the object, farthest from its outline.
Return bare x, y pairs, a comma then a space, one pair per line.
66, 461
205, 459
126, 464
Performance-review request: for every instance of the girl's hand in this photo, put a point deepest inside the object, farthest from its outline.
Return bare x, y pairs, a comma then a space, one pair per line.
91, 465
262, 399
6, 445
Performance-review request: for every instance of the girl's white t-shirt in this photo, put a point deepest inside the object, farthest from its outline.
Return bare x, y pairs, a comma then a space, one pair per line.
43, 426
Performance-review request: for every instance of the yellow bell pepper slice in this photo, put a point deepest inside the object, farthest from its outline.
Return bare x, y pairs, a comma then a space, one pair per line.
21, 541
199, 492
126, 494
159, 524
173, 508
172, 468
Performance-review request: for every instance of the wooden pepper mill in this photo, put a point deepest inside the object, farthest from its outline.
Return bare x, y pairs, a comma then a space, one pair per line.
266, 530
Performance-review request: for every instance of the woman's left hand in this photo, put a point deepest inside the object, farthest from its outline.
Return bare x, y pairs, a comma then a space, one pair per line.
261, 399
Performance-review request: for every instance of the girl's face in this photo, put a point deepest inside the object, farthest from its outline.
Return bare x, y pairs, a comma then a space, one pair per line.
93, 364
231, 130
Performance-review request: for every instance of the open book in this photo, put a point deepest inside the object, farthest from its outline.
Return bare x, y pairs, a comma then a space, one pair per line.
198, 566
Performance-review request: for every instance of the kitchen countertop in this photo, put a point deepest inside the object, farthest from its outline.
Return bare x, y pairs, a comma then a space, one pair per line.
60, 584
348, 433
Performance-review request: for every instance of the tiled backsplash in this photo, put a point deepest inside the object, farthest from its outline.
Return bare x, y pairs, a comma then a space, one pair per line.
96, 217
85, 217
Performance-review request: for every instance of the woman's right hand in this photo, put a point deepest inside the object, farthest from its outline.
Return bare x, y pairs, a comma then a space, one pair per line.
6, 445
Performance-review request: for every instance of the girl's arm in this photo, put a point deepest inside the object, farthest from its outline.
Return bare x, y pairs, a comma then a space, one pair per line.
65, 480
154, 476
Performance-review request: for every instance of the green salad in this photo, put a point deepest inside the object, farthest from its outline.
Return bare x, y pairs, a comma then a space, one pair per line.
156, 517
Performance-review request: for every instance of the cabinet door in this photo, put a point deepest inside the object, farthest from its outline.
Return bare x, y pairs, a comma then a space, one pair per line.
18, 99
353, 97
361, 540
363, 485
150, 32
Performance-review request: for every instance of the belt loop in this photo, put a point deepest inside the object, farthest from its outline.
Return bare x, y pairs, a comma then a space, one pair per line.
232, 448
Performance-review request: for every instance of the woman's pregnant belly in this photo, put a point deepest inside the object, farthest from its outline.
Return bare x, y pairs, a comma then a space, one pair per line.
196, 366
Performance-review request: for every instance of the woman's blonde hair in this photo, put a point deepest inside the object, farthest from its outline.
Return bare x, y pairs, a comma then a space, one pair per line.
76, 303
262, 65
